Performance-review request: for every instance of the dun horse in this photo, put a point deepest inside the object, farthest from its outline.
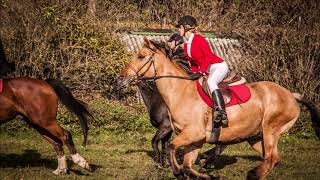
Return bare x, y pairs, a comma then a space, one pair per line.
271, 111
36, 101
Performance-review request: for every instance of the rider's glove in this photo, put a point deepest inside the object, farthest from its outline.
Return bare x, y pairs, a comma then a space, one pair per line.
195, 76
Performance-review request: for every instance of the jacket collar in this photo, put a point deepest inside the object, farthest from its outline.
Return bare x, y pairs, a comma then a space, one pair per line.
189, 41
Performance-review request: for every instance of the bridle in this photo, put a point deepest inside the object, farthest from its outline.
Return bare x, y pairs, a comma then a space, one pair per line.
151, 63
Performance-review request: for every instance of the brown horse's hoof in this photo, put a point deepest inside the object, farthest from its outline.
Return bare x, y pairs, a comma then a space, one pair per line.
60, 171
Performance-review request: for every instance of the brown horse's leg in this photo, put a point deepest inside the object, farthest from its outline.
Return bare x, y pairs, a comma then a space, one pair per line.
271, 156
56, 134
58, 147
186, 137
190, 155
76, 158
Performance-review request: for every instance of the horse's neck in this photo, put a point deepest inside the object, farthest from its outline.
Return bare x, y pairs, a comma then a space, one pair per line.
150, 94
171, 88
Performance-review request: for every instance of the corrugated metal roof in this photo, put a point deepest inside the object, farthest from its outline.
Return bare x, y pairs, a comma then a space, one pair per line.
226, 48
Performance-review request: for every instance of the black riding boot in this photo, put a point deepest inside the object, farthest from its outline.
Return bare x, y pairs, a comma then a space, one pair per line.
219, 108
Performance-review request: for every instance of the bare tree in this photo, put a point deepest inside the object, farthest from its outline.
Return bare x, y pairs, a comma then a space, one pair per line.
91, 11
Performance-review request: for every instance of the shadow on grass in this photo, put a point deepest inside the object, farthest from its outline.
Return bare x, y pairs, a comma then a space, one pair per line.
32, 158
224, 160
29, 158
152, 154
219, 163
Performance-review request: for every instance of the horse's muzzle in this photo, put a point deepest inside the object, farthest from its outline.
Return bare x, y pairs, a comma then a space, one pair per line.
122, 81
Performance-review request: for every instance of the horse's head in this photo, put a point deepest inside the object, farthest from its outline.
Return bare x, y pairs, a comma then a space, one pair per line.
143, 64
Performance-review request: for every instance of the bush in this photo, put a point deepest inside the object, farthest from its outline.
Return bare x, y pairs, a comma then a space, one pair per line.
56, 39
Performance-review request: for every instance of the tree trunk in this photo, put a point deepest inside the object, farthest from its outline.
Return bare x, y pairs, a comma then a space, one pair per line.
91, 11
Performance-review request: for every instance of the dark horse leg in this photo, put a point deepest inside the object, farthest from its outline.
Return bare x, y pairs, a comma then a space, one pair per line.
209, 156
164, 135
159, 117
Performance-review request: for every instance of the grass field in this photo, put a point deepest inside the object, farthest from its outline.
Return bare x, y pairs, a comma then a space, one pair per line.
120, 148
129, 156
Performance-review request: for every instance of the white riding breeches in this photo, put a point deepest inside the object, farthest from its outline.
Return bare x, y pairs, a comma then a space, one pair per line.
217, 73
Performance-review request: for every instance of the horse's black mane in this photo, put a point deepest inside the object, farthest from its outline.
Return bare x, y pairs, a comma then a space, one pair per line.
181, 61
164, 47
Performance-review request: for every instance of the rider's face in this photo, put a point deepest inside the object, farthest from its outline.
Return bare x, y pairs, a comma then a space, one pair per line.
181, 30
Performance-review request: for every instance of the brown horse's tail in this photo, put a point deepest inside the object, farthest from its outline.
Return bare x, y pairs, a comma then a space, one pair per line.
314, 111
76, 106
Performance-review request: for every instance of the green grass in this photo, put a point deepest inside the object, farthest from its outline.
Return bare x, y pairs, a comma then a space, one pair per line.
120, 148
129, 156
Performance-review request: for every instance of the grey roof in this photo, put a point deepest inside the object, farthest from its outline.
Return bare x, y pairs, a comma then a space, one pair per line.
226, 48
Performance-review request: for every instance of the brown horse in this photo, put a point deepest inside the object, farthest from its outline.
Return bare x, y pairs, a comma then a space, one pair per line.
271, 111
37, 102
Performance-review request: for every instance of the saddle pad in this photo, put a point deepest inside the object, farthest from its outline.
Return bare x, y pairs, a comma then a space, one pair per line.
1, 85
239, 94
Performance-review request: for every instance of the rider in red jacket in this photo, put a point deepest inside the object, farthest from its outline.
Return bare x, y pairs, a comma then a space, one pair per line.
204, 61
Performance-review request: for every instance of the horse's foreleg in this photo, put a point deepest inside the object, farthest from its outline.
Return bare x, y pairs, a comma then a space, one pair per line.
165, 143
186, 137
190, 155
161, 134
76, 158
155, 141
211, 155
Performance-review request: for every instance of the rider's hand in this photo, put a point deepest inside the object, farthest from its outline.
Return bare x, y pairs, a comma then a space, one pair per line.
195, 76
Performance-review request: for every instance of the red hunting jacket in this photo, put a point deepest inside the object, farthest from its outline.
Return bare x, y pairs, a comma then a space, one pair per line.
201, 54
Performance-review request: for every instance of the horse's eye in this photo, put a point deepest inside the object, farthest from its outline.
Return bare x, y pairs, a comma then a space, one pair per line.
141, 56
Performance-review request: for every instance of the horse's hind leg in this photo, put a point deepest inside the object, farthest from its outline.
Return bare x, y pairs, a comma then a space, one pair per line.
76, 158
58, 147
257, 145
52, 131
271, 156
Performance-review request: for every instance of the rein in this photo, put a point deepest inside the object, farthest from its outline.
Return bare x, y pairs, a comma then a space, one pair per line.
155, 77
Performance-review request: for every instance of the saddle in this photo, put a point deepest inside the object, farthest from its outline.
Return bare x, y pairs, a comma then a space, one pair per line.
231, 79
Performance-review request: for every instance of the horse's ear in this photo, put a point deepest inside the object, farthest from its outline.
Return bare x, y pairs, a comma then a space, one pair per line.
148, 43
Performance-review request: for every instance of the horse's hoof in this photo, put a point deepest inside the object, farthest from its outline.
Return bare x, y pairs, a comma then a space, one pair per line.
159, 166
203, 170
60, 171
89, 168
252, 175
218, 177
180, 176
202, 162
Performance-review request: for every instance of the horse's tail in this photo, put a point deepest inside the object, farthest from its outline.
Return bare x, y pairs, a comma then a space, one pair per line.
76, 106
314, 111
